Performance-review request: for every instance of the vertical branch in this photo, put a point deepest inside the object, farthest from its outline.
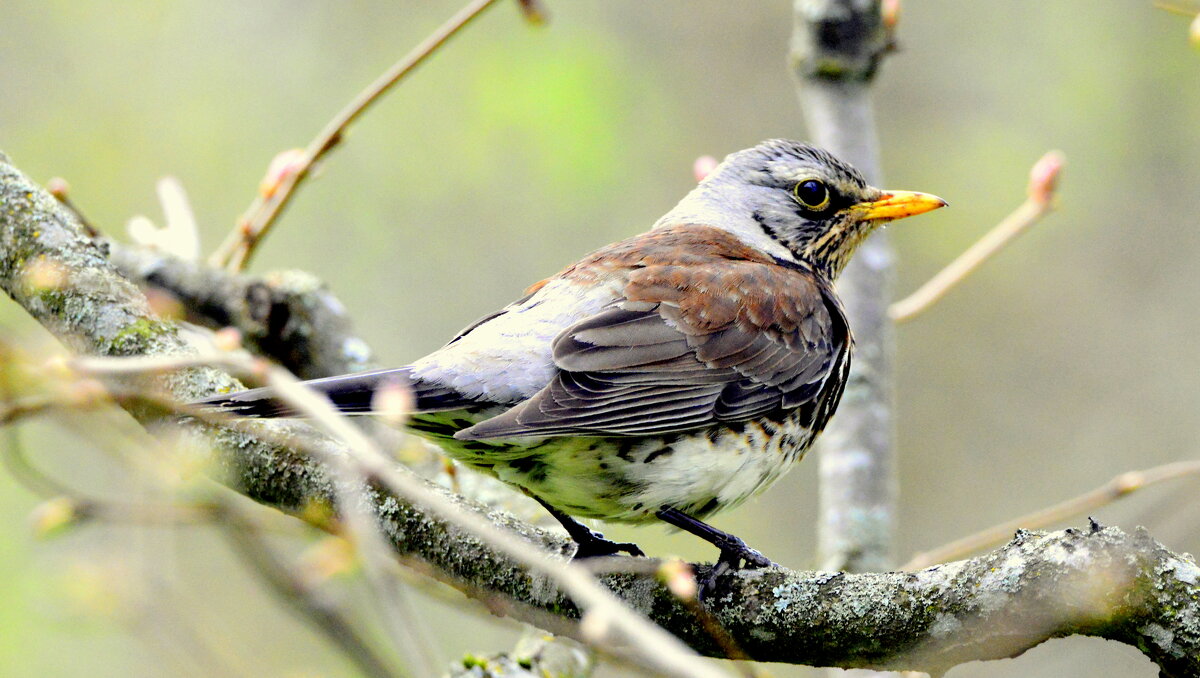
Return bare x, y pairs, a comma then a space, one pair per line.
836, 49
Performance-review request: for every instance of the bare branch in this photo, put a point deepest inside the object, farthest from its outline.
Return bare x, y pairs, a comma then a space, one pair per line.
1042, 184
308, 603
240, 244
1120, 486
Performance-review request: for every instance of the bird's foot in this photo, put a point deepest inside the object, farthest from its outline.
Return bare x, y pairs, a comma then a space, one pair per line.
592, 544
738, 555
735, 555
589, 543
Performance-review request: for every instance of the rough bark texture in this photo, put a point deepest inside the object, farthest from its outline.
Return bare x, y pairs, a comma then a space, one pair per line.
288, 315
1100, 582
836, 48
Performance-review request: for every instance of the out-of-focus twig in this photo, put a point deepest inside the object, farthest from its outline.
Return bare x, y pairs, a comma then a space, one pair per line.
1175, 9
1117, 488
1043, 181
1192, 13
653, 646
293, 592
235, 252
28, 407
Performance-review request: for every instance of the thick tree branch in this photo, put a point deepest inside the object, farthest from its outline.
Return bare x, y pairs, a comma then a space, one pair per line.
1099, 582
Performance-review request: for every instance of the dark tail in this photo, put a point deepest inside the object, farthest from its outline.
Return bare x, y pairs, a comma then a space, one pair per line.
349, 393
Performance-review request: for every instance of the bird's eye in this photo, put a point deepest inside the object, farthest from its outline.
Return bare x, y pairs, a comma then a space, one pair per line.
812, 194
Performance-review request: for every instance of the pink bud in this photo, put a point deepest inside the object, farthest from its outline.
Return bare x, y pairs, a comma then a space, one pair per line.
679, 578
282, 168
1043, 178
58, 187
703, 166
891, 14
393, 401
227, 339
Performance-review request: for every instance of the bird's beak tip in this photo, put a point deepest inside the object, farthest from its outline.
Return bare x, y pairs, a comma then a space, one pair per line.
899, 204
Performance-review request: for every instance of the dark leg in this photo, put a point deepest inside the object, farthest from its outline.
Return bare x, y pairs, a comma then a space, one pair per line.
734, 552
591, 544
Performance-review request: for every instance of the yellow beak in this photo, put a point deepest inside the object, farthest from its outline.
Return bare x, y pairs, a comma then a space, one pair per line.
897, 205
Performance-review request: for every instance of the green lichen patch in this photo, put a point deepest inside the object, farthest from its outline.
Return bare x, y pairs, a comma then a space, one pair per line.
136, 338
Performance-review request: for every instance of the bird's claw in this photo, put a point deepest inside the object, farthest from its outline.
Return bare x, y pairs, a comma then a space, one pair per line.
594, 545
751, 559
735, 555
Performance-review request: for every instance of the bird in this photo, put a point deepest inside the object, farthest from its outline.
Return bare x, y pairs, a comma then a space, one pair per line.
666, 376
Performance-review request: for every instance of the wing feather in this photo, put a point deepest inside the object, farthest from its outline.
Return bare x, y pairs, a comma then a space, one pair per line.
686, 347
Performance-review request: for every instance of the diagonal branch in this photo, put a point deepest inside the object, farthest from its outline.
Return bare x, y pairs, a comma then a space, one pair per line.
239, 246
1102, 582
1120, 486
1043, 182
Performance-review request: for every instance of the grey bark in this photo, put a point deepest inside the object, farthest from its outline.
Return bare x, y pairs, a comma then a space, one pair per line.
1101, 582
290, 316
836, 49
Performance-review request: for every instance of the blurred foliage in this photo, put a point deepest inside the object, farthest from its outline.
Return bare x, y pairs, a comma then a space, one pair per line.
517, 149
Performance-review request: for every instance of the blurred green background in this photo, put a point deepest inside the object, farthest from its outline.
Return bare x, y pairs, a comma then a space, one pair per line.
1066, 361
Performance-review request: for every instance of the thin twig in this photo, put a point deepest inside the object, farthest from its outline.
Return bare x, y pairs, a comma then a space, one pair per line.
1039, 202
1175, 9
1120, 486
242, 531
240, 244
301, 598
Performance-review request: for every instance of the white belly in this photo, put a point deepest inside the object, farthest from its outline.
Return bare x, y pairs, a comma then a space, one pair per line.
628, 480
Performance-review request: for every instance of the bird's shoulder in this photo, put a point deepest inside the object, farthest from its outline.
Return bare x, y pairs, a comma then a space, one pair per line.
684, 244
710, 279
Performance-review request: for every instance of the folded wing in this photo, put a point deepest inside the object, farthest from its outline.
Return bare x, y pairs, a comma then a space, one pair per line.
687, 346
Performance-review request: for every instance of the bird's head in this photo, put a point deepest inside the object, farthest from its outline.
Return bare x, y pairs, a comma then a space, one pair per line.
788, 197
